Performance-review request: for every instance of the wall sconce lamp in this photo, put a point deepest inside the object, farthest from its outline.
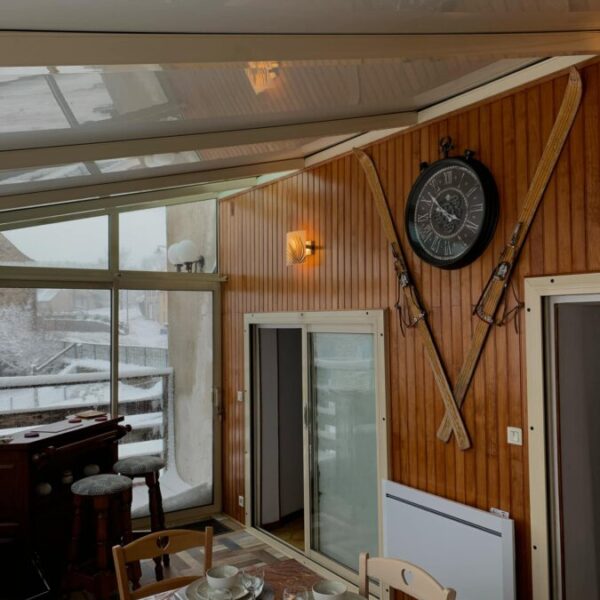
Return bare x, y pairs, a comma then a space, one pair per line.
186, 253
297, 247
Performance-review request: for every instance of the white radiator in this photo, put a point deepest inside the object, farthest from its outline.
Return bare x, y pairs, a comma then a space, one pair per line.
464, 548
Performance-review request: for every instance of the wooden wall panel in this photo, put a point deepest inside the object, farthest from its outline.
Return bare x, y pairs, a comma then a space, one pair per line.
352, 270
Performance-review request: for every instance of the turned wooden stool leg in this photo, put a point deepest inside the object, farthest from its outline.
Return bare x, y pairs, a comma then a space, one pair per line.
134, 569
75, 537
161, 518
101, 505
154, 501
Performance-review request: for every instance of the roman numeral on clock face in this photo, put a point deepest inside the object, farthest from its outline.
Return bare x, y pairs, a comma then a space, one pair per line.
470, 225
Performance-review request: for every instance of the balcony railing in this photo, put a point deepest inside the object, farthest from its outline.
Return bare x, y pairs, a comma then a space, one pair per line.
145, 400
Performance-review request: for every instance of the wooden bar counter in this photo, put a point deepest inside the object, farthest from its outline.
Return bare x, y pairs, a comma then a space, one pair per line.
36, 474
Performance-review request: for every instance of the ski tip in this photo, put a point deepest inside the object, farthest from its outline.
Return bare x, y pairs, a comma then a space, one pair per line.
574, 76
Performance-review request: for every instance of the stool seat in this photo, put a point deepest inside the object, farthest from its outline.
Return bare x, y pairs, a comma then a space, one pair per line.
138, 465
101, 485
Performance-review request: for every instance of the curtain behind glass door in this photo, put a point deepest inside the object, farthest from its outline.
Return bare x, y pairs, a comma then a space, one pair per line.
343, 446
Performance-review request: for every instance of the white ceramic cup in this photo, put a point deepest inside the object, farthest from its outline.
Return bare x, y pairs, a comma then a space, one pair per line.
223, 577
328, 590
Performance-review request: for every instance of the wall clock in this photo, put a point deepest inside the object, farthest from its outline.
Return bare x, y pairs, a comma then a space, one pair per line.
452, 210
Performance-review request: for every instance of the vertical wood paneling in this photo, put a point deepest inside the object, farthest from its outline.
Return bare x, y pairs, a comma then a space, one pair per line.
352, 270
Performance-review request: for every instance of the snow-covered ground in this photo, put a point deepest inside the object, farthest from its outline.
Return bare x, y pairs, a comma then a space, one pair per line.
85, 383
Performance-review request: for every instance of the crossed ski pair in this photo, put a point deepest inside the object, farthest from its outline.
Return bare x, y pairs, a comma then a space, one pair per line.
493, 293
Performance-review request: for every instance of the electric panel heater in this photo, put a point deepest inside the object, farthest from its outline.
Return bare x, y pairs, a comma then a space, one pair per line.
464, 548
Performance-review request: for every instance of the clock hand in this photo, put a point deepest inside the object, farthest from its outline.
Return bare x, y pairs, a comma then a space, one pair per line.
447, 214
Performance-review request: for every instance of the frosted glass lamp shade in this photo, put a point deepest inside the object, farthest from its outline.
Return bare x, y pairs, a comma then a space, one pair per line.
174, 255
188, 251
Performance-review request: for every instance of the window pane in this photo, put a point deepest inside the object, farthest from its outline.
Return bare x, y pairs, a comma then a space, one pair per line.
150, 161
81, 244
345, 446
165, 391
27, 104
54, 355
146, 235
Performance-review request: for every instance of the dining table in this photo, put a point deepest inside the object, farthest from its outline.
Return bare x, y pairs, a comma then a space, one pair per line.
278, 576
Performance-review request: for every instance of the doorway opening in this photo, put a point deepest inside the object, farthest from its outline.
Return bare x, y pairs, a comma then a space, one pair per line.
573, 453
280, 452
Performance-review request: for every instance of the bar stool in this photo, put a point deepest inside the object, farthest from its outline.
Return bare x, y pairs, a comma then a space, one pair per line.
148, 467
108, 494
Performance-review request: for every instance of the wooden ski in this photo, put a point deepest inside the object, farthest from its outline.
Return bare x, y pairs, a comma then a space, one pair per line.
417, 316
494, 291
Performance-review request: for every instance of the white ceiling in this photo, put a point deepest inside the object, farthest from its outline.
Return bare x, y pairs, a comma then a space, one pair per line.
296, 16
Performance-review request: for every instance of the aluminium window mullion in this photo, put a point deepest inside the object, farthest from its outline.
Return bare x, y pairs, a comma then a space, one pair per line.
113, 268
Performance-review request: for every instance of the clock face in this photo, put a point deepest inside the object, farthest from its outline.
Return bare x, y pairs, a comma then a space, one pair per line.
452, 212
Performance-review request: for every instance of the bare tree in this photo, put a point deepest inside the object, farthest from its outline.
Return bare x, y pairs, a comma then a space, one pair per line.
23, 344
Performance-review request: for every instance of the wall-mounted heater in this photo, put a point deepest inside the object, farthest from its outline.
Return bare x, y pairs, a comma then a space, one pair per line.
464, 548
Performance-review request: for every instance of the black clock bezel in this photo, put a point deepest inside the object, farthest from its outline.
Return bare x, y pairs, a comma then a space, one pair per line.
491, 211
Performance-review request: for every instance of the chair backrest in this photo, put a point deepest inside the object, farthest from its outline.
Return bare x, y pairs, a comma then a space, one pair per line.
402, 576
156, 544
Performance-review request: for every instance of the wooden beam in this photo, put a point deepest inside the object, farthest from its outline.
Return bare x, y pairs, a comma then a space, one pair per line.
47, 197
58, 155
23, 48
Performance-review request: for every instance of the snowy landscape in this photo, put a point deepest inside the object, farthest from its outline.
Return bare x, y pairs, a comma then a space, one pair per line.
55, 363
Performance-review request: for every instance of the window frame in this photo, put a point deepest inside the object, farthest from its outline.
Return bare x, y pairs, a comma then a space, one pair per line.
114, 280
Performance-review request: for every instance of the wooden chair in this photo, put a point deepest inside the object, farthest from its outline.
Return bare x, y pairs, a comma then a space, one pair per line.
402, 576
155, 545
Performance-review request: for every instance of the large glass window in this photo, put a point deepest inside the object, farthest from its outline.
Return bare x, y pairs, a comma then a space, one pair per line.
54, 355
166, 391
81, 244
56, 339
146, 236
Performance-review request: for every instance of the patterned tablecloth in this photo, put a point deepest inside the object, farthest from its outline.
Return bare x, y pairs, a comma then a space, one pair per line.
278, 576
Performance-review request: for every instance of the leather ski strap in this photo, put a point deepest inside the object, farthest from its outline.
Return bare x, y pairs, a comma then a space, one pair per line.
417, 315
494, 291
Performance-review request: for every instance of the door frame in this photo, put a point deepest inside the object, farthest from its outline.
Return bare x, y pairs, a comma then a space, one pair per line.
372, 320
537, 291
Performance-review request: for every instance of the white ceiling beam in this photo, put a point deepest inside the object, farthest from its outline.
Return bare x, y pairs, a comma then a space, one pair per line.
132, 186
15, 219
26, 158
29, 48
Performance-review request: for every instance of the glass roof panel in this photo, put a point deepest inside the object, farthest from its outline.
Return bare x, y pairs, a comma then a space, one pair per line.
27, 104
83, 105
137, 167
152, 161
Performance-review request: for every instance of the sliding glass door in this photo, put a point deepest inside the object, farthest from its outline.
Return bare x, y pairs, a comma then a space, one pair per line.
343, 446
319, 432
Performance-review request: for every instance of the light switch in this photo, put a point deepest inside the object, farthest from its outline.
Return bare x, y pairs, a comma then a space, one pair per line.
514, 436
240, 395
